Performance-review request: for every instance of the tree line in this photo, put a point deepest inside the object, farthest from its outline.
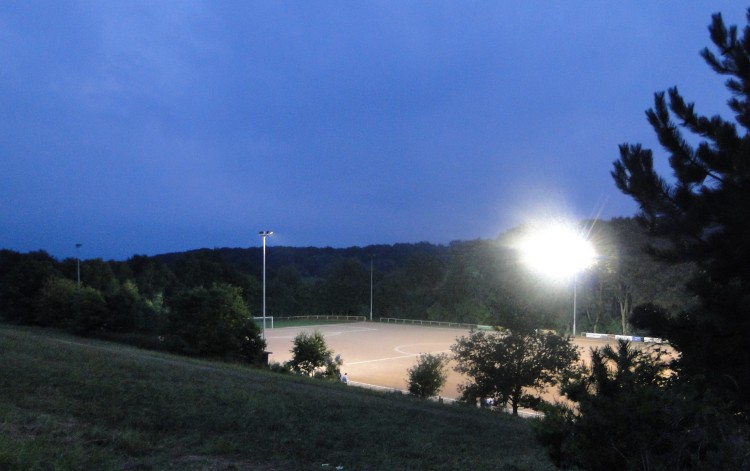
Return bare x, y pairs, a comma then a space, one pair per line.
476, 282
140, 301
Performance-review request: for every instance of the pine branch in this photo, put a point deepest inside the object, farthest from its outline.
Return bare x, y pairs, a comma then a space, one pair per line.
634, 175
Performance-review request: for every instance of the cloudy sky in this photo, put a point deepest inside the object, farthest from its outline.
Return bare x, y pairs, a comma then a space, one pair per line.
144, 127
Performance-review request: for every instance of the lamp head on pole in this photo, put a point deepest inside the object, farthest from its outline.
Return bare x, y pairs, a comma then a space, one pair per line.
557, 250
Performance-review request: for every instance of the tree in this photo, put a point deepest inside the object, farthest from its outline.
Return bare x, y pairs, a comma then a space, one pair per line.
53, 305
125, 308
98, 274
213, 322
626, 414
153, 278
624, 276
428, 376
503, 366
704, 213
89, 310
288, 293
345, 289
21, 277
413, 290
332, 369
467, 290
311, 356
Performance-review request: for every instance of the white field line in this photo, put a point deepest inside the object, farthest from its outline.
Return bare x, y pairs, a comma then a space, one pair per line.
398, 350
400, 347
381, 359
407, 355
325, 334
331, 334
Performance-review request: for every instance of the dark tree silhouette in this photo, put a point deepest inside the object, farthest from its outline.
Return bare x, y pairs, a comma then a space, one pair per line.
705, 212
505, 366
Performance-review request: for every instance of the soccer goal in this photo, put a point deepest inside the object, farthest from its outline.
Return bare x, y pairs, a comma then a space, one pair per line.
259, 320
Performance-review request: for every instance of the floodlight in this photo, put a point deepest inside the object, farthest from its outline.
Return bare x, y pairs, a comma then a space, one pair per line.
558, 251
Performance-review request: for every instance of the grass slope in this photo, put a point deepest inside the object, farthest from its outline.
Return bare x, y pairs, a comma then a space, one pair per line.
71, 403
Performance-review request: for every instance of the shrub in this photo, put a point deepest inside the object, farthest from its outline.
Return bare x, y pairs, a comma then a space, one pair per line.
629, 414
428, 376
311, 356
213, 322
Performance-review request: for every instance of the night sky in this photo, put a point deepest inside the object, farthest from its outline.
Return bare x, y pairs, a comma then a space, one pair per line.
145, 127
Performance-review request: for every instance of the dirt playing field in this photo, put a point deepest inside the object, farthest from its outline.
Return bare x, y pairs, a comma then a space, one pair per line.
380, 354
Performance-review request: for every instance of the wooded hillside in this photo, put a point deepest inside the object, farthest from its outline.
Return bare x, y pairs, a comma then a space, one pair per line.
479, 281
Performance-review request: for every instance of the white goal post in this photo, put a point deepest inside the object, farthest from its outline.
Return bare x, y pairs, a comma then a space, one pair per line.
260, 319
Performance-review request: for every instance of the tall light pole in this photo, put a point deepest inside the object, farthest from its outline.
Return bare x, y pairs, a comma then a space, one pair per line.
371, 258
264, 234
575, 289
559, 251
78, 264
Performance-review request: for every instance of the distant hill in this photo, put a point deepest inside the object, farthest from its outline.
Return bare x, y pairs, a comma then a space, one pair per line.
312, 261
476, 282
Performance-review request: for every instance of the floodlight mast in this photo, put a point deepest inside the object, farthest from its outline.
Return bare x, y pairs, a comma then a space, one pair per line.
559, 251
575, 290
372, 256
78, 264
264, 234
586, 257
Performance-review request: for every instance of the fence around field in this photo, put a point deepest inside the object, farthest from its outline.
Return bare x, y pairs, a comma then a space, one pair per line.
322, 317
458, 325
386, 320
631, 338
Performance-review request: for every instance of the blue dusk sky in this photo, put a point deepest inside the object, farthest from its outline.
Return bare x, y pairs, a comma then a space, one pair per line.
145, 127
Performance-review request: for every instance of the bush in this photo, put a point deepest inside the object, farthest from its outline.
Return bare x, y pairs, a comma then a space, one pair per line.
90, 311
53, 305
213, 322
428, 376
311, 356
630, 415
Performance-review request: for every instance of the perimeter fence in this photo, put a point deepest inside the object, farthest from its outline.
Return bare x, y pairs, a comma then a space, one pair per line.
321, 317
457, 325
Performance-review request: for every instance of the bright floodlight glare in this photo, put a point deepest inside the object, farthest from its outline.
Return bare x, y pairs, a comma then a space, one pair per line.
557, 251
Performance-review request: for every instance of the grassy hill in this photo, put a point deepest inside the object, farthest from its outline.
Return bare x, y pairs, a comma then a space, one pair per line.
72, 403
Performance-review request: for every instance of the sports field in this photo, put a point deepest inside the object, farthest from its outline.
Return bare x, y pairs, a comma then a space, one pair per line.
380, 354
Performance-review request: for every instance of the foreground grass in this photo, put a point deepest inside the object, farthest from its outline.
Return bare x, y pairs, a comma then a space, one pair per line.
69, 403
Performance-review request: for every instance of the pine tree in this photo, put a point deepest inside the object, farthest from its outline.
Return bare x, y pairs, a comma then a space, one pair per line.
705, 212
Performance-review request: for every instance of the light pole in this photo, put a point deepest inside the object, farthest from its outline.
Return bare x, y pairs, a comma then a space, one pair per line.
559, 251
264, 234
78, 264
575, 289
371, 258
